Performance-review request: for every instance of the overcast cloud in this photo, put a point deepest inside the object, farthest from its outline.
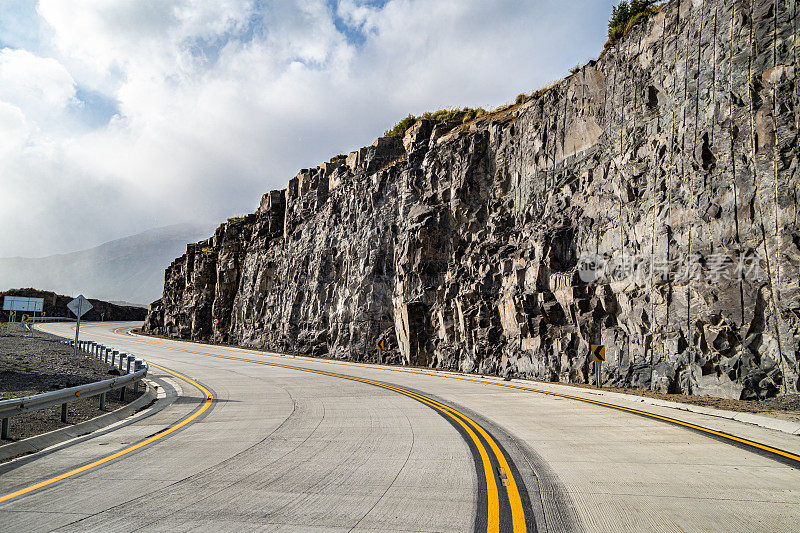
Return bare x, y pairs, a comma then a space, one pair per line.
121, 115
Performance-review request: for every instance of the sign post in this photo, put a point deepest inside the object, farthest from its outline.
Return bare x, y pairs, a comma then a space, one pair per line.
79, 306
598, 356
381, 345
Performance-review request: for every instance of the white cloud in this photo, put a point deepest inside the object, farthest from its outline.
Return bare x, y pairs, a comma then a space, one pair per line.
32, 82
218, 102
13, 129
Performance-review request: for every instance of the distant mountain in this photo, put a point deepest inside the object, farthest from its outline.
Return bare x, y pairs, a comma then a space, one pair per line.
130, 269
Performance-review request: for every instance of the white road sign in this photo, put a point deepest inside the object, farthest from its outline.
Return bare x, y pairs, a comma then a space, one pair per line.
79, 306
19, 303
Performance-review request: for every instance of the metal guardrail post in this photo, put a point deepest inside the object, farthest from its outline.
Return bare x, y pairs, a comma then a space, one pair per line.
63, 412
137, 365
128, 365
122, 394
103, 401
4, 430
113, 357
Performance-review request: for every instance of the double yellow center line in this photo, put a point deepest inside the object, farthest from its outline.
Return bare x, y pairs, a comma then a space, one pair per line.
465, 422
469, 426
777, 453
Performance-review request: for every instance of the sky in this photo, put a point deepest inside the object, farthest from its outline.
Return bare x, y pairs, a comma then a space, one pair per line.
117, 116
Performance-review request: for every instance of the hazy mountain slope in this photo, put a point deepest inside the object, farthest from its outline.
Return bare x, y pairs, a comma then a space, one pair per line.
129, 269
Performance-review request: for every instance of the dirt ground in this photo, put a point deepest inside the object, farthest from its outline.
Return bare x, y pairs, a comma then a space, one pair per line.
32, 362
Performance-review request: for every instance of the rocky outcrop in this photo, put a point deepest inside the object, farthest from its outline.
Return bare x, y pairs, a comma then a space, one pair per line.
647, 202
55, 305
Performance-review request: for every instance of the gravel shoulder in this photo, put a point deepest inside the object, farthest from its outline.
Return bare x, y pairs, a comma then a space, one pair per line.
32, 362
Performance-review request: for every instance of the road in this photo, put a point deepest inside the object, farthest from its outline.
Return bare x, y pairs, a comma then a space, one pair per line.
246, 440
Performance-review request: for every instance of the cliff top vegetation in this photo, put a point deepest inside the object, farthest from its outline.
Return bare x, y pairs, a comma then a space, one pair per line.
441, 117
626, 15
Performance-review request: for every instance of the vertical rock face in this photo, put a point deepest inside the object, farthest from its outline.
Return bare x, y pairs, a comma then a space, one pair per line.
673, 158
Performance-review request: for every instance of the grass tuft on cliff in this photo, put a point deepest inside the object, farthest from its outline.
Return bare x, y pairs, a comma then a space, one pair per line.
442, 117
626, 15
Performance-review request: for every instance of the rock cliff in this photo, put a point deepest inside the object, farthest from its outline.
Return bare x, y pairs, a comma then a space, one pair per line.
647, 202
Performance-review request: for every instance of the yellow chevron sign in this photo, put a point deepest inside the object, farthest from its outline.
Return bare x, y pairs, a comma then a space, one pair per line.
598, 352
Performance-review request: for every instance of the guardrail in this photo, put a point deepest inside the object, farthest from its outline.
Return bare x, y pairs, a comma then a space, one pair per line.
134, 369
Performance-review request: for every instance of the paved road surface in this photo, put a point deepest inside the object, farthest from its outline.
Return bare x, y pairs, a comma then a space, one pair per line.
280, 443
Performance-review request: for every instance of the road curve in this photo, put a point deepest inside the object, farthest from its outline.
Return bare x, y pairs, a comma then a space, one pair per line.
251, 440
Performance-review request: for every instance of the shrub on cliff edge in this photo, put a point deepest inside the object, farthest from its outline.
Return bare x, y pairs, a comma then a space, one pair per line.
626, 15
441, 117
